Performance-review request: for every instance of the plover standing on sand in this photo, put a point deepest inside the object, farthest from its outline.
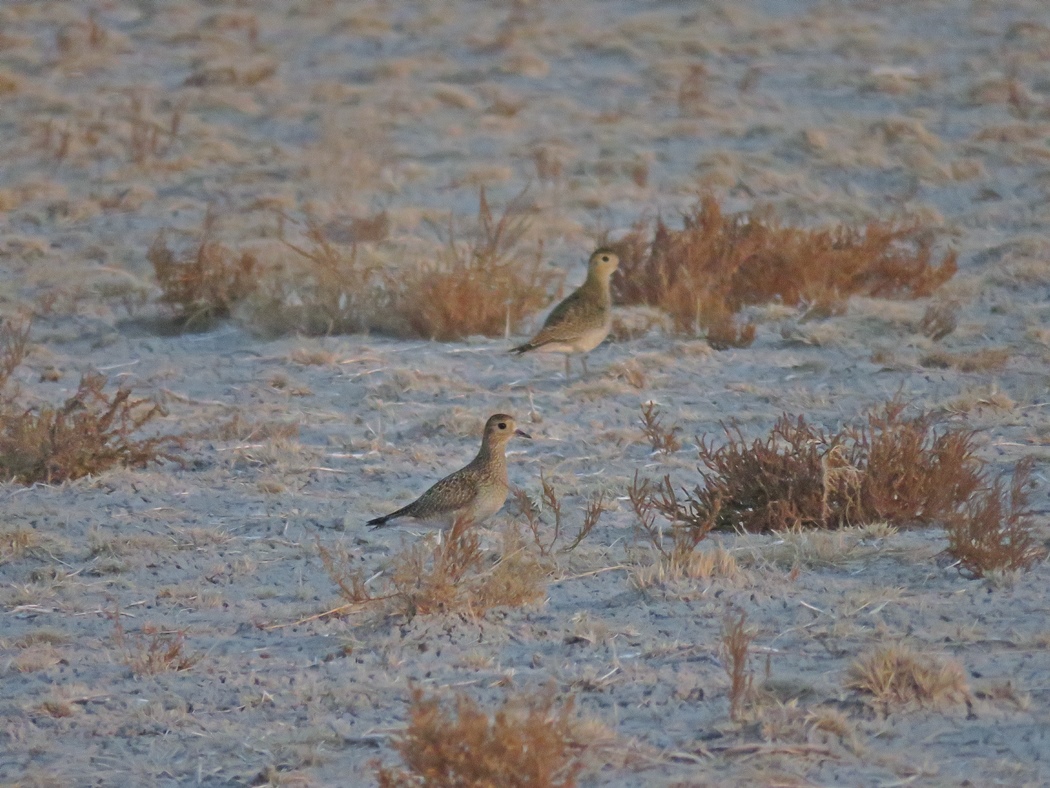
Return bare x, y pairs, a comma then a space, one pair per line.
580, 322
470, 495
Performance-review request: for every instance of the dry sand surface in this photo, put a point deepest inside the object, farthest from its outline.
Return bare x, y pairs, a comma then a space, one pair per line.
120, 118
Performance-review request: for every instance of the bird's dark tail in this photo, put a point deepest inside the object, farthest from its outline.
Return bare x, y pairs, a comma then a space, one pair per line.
523, 348
378, 522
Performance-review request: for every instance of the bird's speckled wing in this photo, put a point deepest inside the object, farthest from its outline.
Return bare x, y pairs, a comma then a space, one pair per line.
451, 494
564, 321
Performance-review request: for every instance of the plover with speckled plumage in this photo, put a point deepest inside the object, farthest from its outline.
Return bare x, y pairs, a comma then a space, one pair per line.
470, 495
582, 321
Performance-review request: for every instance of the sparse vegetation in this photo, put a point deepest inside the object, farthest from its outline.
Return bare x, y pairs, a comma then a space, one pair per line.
986, 360
153, 650
550, 501
893, 471
324, 288
456, 576
529, 742
205, 283
705, 273
482, 284
91, 432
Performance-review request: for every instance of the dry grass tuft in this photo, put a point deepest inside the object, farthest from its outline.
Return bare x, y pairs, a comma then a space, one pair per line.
992, 532
456, 576
206, 283
482, 285
90, 433
897, 676
16, 542
705, 565
705, 273
153, 650
529, 742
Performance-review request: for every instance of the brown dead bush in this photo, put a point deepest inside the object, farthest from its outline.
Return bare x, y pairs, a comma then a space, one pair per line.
897, 470
204, 284
993, 529
91, 432
485, 284
705, 273
529, 742
894, 469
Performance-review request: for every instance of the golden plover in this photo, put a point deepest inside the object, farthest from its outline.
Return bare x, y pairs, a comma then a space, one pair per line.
470, 495
580, 322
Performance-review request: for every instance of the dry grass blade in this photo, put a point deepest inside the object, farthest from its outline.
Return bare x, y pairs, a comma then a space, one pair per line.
733, 651
14, 345
591, 515
529, 742
329, 288
717, 264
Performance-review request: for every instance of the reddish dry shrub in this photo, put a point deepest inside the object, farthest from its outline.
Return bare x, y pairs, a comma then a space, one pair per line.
717, 264
690, 520
528, 743
895, 469
483, 285
993, 530
205, 284
91, 432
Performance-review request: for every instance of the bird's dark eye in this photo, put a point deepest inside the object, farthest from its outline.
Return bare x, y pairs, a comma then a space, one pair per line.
605, 258
502, 425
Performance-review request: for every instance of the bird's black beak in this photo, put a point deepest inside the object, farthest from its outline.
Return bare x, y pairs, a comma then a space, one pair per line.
523, 434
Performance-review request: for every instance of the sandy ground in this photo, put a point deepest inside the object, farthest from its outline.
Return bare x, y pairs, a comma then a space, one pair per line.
614, 111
